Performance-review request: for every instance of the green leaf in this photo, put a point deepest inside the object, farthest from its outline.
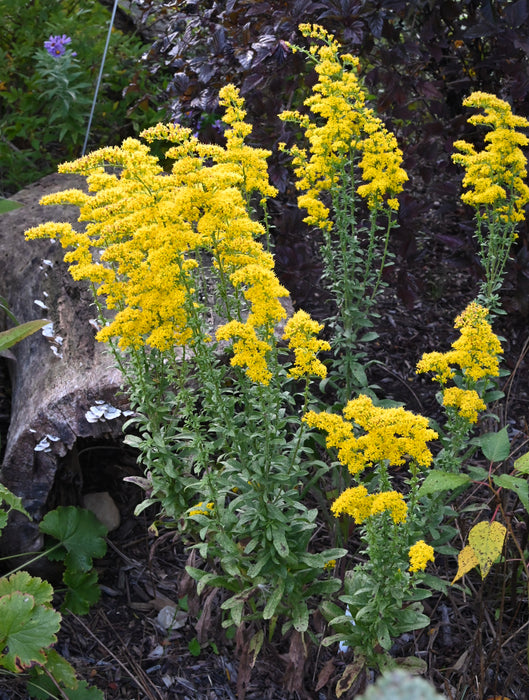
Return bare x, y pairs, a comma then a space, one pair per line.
318, 561
255, 569
438, 481
84, 692
194, 647
22, 582
522, 464
12, 501
516, 484
280, 543
300, 616
495, 446
256, 643
383, 636
409, 619
18, 333
26, 629
273, 601
478, 473
413, 665
83, 591
80, 533
41, 686
491, 396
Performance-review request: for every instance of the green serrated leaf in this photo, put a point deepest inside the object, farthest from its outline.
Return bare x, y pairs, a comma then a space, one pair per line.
438, 481
83, 591
60, 669
14, 335
80, 533
495, 446
84, 692
22, 582
26, 630
14, 502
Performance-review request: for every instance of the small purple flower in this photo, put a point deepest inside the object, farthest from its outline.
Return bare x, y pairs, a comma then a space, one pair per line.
56, 45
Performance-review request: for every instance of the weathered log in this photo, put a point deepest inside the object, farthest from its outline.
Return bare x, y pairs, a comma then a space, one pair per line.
57, 376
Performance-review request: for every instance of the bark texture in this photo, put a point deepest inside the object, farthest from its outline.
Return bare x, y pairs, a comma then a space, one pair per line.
55, 380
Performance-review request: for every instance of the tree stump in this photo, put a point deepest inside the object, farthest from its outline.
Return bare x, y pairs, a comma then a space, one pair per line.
56, 376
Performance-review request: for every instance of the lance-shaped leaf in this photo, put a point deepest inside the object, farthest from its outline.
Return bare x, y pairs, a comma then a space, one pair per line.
18, 333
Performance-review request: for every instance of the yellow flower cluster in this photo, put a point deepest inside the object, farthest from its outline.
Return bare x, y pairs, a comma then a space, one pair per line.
495, 176
420, 554
300, 331
467, 402
343, 127
476, 353
391, 434
145, 227
202, 508
249, 351
360, 505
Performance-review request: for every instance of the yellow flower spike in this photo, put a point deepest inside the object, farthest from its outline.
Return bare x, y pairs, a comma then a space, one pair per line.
249, 352
392, 502
361, 505
467, 402
476, 352
355, 502
300, 331
391, 434
495, 177
340, 435
420, 554
143, 227
341, 129
437, 362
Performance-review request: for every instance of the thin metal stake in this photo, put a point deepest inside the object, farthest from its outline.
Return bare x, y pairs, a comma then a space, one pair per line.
94, 102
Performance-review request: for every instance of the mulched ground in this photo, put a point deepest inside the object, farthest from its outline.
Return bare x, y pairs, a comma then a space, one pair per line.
121, 647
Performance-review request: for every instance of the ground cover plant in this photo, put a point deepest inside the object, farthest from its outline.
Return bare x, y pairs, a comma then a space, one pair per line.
29, 622
50, 57
230, 399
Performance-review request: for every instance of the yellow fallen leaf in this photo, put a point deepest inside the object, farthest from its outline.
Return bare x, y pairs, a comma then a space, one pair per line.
466, 560
486, 539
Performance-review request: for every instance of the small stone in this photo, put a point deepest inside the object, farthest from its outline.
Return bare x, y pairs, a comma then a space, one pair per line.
104, 508
169, 618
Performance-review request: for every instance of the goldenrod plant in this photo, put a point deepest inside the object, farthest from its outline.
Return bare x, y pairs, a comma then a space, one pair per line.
495, 187
184, 279
350, 156
221, 379
382, 594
